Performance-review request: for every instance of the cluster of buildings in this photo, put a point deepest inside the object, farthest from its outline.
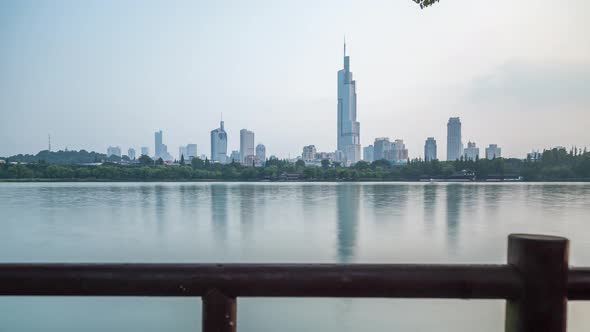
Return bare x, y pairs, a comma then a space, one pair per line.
248, 154
348, 150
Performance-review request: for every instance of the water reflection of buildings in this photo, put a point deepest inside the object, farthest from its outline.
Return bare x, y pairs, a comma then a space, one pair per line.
219, 211
429, 201
348, 198
247, 193
454, 193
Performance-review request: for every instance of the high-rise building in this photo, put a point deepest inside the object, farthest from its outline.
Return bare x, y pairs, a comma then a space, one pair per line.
145, 151
261, 153
219, 144
191, 151
493, 151
182, 152
235, 156
158, 144
471, 151
348, 128
380, 148
368, 153
430, 149
309, 153
398, 152
454, 143
131, 153
246, 144
534, 155
114, 151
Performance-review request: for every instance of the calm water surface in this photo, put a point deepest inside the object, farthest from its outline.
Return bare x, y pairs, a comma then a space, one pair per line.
260, 222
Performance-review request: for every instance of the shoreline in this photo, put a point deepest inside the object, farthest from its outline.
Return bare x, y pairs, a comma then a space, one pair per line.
272, 181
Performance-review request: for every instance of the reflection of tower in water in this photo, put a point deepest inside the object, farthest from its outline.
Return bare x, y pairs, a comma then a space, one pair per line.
454, 193
348, 197
219, 211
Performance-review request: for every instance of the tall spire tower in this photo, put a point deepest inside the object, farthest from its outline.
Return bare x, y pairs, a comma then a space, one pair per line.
348, 135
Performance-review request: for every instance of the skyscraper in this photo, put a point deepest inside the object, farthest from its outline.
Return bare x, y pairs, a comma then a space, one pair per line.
261, 153
430, 149
191, 151
114, 151
493, 151
235, 156
131, 153
380, 147
158, 144
219, 144
471, 152
348, 135
368, 153
182, 152
454, 144
145, 151
246, 144
309, 152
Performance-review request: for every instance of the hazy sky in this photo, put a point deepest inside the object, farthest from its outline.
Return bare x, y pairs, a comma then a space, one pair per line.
100, 73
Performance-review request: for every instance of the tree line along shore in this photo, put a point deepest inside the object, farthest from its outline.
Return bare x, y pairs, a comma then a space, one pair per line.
552, 165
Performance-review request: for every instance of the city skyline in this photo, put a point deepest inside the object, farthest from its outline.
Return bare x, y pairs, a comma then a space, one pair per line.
116, 83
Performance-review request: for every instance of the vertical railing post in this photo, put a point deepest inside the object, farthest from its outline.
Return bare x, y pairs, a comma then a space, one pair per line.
542, 262
219, 312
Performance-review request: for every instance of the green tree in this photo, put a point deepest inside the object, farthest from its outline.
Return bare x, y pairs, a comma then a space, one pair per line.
182, 160
325, 163
145, 160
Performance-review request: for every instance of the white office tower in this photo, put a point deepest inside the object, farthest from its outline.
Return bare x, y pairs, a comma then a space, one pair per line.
131, 153
158, 144
235, 156
191, 151
182, 152
380, 148
246, 144
471, 152
430, 149
493, 151
261, 153
145, 151
454, 144
309, 153
399, 153
114, 151
368, 153
348, 136
219, 144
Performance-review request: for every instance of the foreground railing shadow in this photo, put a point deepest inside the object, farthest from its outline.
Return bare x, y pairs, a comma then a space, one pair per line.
537, 283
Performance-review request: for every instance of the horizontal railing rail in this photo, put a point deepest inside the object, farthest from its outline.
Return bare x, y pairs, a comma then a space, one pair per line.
536, 282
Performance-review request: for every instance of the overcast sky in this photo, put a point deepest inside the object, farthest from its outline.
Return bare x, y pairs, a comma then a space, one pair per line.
100, 73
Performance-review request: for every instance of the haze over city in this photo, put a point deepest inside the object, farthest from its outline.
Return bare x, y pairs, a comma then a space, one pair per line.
100, 73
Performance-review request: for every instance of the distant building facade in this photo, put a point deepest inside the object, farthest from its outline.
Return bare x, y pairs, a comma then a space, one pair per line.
454, 143
430, 149
131, 153
160, 147
235, 156
348, 128
395, 151
380, 148
219, 144
145, 151
534, 155
261, 153
246, 144
471, 151
368, 153
114, 151
493, 151
309, 153
191, 151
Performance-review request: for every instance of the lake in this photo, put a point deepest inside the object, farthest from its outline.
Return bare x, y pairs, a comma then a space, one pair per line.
279, 222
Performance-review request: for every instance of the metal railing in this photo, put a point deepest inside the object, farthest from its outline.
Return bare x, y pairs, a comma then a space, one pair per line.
537, 283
